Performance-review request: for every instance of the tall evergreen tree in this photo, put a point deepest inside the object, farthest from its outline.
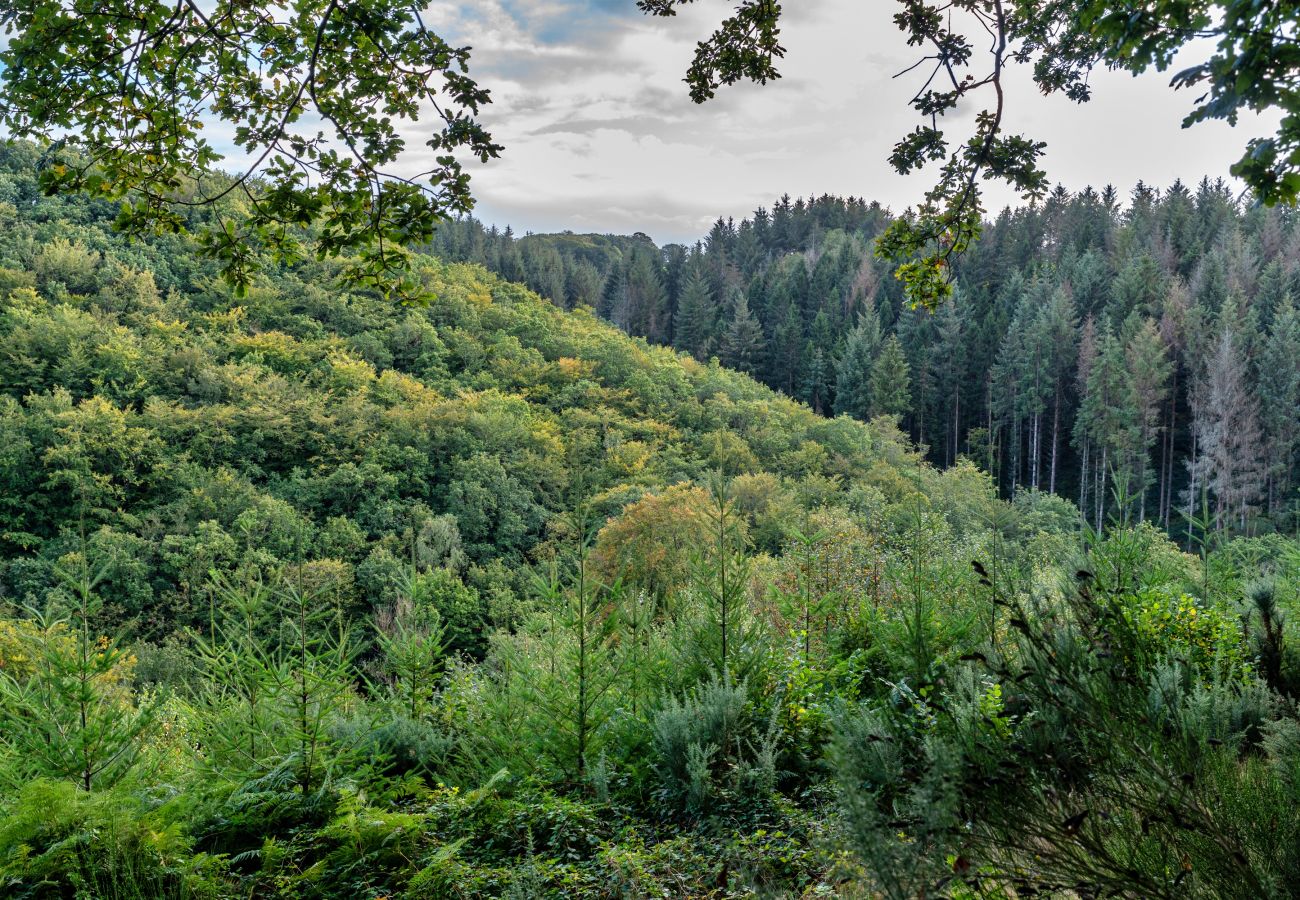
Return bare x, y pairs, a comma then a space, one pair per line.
742, 342
1279, 394
693, 323
853, 374
1148, 369
890, 384
949, 374
1230, 466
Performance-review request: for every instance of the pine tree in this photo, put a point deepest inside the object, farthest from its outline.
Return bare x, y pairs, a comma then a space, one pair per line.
279, 675
1148, 370
721, 578
1230, 465
742, 342
572, 686
645, 310
853, 374
1058, 326
949, 364
816, 382
71, 715
1107, 421
1279, 393
890, 381
693, 323
786, 351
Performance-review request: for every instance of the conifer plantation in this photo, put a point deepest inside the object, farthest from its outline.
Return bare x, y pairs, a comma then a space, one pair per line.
351, 547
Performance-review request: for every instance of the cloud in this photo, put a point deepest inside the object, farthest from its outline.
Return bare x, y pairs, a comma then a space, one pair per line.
601, 135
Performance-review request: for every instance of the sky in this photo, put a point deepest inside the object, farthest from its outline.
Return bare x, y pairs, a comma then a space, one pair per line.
600, 135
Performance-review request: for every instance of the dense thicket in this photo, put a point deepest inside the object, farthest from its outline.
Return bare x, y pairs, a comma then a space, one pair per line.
304, 594
1151, 346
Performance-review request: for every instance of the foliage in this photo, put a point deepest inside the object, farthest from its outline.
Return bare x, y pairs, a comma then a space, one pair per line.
1062, 42
490, 599
154, 75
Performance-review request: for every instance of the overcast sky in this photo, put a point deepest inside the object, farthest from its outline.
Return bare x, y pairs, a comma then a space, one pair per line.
601, 136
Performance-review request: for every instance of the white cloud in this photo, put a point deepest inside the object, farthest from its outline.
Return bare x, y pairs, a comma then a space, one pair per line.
600, 134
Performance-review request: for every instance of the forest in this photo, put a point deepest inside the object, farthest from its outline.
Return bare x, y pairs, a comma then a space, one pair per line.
351, 547
307, 593
1149, 344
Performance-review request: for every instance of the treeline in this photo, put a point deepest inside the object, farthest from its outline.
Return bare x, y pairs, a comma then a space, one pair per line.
1144, 353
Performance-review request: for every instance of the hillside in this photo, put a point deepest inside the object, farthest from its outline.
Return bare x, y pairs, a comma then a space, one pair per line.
1095, 342
306, 594
186, 428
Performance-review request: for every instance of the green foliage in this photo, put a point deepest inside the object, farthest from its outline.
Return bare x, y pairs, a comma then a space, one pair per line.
383, 652
1062, 43
67, 711
155, 75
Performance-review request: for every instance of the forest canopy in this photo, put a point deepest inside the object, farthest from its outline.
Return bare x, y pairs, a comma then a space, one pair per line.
307, 594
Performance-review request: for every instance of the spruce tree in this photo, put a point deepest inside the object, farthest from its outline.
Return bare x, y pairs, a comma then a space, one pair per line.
572, 666
693, 323
742, 342
1230, 465
1149, 370
890, 383
1279, 394
853, 374
949, 374
69, 713
816, 382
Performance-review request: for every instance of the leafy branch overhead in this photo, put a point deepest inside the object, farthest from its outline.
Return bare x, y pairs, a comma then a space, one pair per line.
968, 46
318, 94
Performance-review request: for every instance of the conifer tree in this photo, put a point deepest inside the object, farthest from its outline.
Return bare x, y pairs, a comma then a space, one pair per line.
693, 322
786, 350
949, 373
71, 715
742, 342
1105, 420
574, 664
280, 674
1148, 370
645, 310
890, 382
816, 383
721, 578
1059, 329
1230, 466
853, 374
1279, 394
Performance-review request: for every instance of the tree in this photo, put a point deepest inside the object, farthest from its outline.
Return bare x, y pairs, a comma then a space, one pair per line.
1058, 324
68, 712
1061, 42
816, 383
644, 309
890, 381
693, 322
853, 374
1148, 371
579, 641
742, 342
1107, 421
721, 577
412, 637
1279, 394
950, 375
1230, 466
279, 675
150, 75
